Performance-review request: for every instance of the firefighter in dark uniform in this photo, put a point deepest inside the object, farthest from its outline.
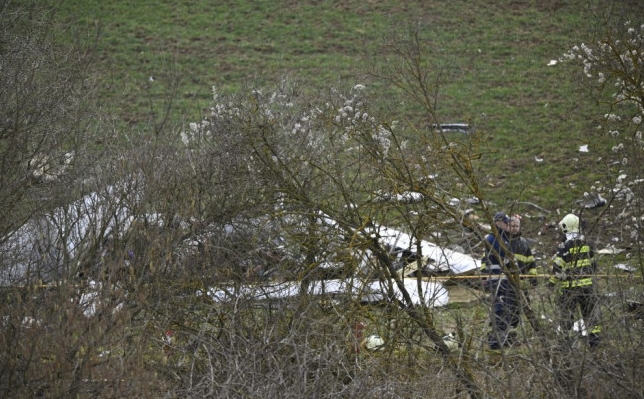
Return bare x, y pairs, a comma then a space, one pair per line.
525, 264
572, 274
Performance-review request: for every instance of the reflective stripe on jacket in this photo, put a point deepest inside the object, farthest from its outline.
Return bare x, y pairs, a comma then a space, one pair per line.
574, 264
523, 255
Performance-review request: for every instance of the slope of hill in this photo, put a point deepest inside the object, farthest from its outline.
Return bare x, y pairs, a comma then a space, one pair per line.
501, 80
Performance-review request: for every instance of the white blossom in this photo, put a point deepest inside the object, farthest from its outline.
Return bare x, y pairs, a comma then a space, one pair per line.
185, 139
382, 137
587, 50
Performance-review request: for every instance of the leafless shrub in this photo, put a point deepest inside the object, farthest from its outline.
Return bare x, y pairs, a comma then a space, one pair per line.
276, 185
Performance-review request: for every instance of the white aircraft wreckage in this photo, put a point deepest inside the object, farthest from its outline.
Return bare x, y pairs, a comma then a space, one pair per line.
434, 258
50, 247
421, 292
401, 246
45, 248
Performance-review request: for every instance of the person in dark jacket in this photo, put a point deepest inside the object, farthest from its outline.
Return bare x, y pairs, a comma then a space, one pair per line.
572, 274
525, 264
495, 260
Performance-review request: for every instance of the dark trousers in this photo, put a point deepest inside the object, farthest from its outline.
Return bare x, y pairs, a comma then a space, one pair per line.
583, 298
517, 308
504, 308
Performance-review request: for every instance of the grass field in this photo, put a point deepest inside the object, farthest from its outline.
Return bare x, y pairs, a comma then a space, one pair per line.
499, 52
532, 119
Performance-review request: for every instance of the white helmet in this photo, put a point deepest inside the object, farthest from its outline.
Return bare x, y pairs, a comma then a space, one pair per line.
569, 224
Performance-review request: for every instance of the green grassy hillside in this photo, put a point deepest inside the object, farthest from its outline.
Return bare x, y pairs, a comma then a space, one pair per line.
499, 52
